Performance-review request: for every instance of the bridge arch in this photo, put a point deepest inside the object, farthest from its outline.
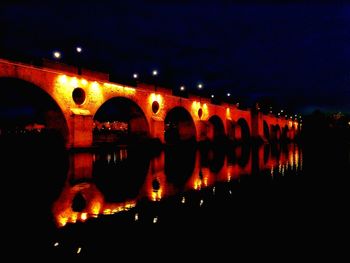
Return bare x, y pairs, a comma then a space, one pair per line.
242, 132
30, 107
179, 126
266, 130
216, 127
120, 120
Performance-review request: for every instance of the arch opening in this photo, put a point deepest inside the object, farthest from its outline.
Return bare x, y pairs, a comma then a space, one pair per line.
266, 131
29, 112
179, 126
120, 120
216, 128
242, 132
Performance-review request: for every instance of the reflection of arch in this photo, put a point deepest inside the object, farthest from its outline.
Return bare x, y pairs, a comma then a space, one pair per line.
277, 130
216, 128
119, 178
242, 155
24, 104
179, 126
266, 153
266, 131
242, 133
179, 164
119, 119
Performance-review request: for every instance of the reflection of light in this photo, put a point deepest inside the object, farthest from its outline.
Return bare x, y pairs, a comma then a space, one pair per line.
96, 206
83, 216
79, 250
56, 244
183, 200
201, 202
157, 195
155, 220
230, 192
214, 190
205, 181
136, 216
197, 185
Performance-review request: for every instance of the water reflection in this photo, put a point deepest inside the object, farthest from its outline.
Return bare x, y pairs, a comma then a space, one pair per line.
110, 182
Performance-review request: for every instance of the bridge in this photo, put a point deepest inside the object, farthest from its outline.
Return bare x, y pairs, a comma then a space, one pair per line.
83, 99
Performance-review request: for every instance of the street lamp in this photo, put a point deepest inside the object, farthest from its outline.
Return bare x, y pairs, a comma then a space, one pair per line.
79, 50
155, 74
135, 76
57, 54
200, 87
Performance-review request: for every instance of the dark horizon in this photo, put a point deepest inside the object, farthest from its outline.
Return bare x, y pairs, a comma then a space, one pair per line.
293, 55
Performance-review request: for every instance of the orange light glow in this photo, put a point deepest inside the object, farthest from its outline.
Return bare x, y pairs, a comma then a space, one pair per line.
158, 98
64, 86
83, 216
157, 195
228, 114
196, 106
126, 91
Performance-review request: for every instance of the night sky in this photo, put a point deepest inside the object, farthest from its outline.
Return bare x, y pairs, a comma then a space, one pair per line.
296, 55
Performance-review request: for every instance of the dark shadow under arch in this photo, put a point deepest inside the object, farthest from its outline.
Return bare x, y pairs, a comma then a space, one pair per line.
120, 120
179, 126
217, 126
26, 108
244, 130
266, 131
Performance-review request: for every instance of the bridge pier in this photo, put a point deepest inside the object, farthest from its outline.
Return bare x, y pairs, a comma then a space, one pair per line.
202, 128
157, 129
257, 126
80, 131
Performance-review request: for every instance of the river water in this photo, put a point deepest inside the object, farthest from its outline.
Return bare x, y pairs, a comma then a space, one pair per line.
197, 200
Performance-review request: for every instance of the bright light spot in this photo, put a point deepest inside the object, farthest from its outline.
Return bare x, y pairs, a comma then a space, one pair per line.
155, 220
84, 82
200, 85
136, 217
56, 244
57, 54
62, 79
228, 94
182, 88
154, 72
281, 110
83, 216
212, 95
79, 250
230, 192
79, 49
214, 190
135, 76
74, 82
183, 200
201, 202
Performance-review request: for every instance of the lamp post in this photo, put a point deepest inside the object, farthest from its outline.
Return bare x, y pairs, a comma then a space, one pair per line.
135, 76
200, 87
155, 74
79, 50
